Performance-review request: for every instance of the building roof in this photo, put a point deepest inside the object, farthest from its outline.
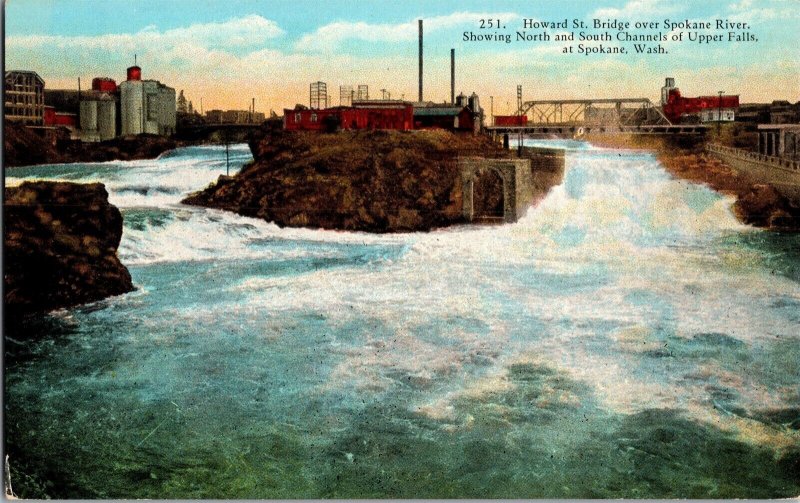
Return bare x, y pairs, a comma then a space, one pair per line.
11, 73
97, 96
437, 111
790, 127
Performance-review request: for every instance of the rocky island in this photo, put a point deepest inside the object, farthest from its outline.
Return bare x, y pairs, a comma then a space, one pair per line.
60, 242
374, 181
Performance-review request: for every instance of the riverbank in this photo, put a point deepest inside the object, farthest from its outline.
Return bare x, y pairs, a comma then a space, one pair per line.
61, 244
373, 181
24, 147
756, 204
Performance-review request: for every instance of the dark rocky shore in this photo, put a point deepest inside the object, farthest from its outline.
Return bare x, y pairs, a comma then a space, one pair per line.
24, 147
60, 241
374, 181
756, 204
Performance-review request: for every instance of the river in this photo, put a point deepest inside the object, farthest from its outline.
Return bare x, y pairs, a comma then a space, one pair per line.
626, 338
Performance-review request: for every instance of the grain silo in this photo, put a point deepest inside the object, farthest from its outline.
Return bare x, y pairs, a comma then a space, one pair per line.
106, 118
146, 106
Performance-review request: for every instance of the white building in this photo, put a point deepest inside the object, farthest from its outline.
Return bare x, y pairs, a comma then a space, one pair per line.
717, 115
98, 117
146, 106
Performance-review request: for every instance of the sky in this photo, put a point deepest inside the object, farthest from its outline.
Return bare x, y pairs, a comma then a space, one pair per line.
228, 52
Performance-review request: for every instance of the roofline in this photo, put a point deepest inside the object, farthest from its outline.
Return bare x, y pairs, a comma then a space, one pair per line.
26, 72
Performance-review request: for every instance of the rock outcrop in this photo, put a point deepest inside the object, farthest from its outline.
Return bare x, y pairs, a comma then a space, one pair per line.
60, 246
375, 181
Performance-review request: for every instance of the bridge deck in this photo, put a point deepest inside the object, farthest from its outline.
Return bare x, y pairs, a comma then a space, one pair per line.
579, 130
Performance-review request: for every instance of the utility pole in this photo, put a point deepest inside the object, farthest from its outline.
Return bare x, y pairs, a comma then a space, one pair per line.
227, 154
491, 102
420, 60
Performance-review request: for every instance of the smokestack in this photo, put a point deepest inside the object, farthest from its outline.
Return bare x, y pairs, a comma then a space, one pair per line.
420, 60
452, 76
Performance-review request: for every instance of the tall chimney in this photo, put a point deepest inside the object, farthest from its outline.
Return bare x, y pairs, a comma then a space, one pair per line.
420, 60
452, 76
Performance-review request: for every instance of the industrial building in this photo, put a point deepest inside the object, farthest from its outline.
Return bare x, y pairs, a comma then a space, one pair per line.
234, 117
146, 106
53, 117
398, 116
98, 111
779, 140
107, 110
24, 98
357, 111
679, 109
465, 114
98, 117
510, 120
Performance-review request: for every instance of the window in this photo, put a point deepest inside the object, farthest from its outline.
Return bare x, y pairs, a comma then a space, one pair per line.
313, 117
297, 117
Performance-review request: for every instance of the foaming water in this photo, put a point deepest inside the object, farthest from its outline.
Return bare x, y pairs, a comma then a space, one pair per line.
626, 338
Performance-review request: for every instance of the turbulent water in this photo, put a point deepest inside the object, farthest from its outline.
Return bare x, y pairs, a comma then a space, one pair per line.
627, 338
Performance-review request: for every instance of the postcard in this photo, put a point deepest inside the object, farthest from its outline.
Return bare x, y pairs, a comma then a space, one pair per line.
334, 250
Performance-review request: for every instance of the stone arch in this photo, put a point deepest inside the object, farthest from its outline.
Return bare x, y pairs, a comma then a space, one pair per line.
515, 176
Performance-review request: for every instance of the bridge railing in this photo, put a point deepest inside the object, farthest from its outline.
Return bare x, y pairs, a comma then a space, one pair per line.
775, 161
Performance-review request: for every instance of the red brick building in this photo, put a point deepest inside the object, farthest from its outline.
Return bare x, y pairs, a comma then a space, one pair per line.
56, 118
510, 120
400, 117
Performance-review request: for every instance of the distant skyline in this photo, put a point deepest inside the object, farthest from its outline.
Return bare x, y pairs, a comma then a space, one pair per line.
228, 52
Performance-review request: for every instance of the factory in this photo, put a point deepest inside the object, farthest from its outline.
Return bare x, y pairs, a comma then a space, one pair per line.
234, 117
398, 116
678, 109
98, 111
146, 106
24, 98
461, 114
133, 107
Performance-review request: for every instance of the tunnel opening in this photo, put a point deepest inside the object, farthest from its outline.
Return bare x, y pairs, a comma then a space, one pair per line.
488, 199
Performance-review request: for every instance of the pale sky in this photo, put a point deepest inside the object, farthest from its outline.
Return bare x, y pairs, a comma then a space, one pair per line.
228, 52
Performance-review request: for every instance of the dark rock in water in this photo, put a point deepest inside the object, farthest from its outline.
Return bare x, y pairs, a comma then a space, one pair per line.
789, 462
60, 241
375, 181
764, 206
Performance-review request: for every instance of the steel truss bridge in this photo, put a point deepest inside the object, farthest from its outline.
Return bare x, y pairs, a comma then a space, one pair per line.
575, 131
576, 118
599, 112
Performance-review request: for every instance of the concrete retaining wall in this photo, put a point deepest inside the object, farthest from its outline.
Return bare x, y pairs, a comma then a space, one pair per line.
525, 180
783, 174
